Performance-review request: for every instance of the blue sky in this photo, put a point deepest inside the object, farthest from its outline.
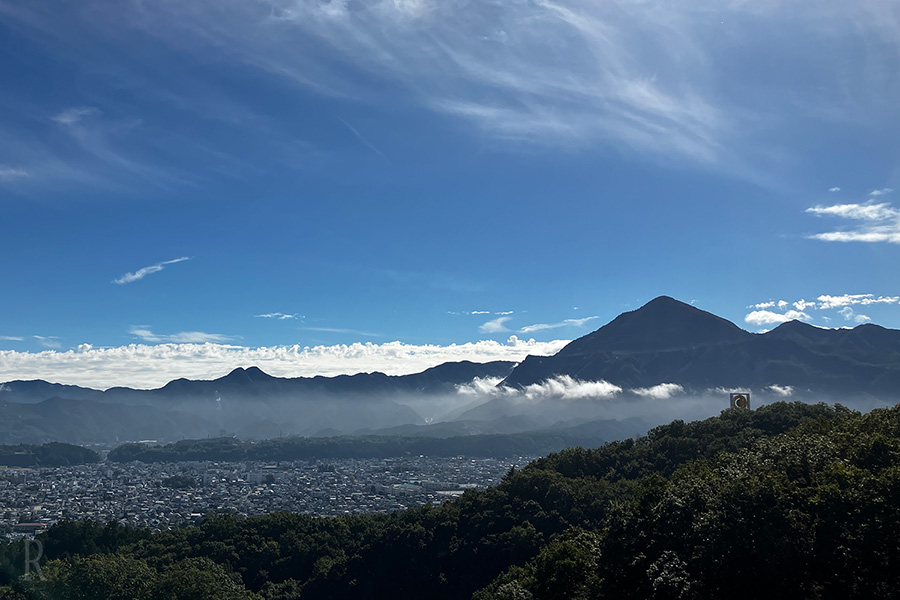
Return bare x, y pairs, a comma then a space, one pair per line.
433, 173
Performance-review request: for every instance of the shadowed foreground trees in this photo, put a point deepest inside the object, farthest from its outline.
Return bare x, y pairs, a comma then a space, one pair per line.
790, 500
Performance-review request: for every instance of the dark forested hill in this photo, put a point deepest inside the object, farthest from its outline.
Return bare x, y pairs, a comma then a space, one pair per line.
53, 454
788, 501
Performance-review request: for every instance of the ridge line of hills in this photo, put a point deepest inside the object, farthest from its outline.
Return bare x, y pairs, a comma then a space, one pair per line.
664, 342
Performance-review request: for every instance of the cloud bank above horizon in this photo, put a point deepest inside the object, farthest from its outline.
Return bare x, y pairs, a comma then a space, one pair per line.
149, 366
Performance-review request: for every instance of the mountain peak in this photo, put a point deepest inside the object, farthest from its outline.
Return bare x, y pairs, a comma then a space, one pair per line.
250, 374
664, 301
663, 323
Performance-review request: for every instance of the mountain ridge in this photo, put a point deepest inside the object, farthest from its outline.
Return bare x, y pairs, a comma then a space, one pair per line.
665, 341
670, 341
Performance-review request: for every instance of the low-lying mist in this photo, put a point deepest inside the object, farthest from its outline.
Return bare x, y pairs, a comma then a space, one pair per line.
481, 406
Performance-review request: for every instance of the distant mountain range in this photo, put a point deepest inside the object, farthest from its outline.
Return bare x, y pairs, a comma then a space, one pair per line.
663, 342
670, 341
247, 402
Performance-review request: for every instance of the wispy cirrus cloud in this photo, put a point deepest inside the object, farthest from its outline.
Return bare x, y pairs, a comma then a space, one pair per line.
11, 338
365, 142
147, 366
881, 192
143, 272
834, 189
642, 75
146, 334
73, 115
48, 341
8, 173
566, 323
342, 330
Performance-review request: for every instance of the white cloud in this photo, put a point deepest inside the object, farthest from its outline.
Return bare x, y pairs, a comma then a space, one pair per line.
871, 236
184, 337
494, 325
504, 312
570, 388
770, 304
868, 211
881, 192
782, 390
562, 386
826, 302
480, 386
566, 323
848, 313
480, 312
768, 317
724, 390
141, 273
834, 189
663, 391
11, 173
763, 316
277, 315
147, 366
73, 115
11, 338
881, 218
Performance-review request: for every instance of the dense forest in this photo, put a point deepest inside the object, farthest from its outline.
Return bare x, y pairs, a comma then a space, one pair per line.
535, 443
53, 454
790, 500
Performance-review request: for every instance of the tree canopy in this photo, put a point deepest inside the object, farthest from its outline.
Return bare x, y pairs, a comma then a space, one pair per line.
790, 500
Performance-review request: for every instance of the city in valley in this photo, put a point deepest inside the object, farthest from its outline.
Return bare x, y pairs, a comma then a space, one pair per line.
165, 495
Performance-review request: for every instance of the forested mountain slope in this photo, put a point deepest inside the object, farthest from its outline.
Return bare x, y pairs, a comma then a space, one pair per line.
790, 500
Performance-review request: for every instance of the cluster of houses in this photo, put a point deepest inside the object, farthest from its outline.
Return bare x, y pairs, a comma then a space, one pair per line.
166, 495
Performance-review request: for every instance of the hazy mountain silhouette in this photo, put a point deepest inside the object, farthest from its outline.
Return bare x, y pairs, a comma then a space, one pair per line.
664, 341
247, 402
252, 382
670, 341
